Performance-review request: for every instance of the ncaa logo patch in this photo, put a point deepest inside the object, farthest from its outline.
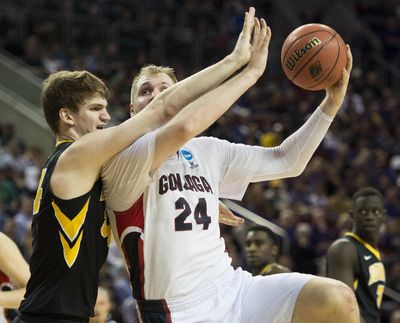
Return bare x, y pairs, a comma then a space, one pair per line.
189, 158
186, 154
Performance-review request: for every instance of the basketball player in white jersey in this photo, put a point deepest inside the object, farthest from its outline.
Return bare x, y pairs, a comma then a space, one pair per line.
162, 194
14, 274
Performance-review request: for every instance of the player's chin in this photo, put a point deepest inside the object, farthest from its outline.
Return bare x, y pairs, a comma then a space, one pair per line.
370, 227
253, 261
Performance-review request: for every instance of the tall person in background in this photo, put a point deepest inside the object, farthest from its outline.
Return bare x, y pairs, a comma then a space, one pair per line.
70, 228
355, 258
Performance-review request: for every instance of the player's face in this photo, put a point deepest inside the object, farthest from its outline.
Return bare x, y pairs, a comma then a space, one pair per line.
92, 115
259, 249
368, 215
148, 87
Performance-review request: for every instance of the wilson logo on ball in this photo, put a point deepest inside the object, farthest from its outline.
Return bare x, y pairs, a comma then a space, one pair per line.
299, 53
315, 69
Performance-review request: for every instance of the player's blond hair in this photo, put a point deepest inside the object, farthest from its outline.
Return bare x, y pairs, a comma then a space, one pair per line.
151, 70
67, 89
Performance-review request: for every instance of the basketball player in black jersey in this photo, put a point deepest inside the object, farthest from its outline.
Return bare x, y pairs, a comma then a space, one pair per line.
70, 229
355, 259
262, 251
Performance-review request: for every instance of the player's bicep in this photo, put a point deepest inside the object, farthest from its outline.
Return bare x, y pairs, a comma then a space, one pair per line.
127, 174
341, 259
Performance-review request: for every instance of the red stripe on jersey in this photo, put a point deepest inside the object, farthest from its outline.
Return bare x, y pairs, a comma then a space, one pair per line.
132, 217
4, 278
166, 310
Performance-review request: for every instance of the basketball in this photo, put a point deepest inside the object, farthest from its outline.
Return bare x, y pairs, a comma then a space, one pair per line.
313, 56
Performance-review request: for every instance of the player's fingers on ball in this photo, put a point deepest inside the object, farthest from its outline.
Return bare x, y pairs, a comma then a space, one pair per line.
349, 64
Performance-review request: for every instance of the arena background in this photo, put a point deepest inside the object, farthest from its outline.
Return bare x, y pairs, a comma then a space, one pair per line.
114, 38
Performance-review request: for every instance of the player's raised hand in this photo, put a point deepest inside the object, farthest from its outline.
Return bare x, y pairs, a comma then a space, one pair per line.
242, 50
337, 91
259, 53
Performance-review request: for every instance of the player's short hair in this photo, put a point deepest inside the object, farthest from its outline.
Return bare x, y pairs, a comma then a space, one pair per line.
67, 89
271, 234
151, 69
367, 191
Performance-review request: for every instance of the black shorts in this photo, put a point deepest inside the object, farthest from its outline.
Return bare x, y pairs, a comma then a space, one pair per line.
24, 318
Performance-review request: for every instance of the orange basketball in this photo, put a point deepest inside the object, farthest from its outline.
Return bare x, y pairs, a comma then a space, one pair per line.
313, 56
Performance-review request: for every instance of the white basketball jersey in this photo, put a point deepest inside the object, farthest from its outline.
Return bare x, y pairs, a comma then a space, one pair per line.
170, 234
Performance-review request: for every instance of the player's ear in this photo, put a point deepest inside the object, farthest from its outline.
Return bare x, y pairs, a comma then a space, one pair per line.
132, 109
66, 116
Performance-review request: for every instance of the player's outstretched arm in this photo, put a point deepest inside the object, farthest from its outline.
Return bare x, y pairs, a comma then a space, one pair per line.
16, 268
201, 113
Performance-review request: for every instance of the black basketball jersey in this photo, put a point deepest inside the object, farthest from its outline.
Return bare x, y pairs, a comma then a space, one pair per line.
370, 279
70, 244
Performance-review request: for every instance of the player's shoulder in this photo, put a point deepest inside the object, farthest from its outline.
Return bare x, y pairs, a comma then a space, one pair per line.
278, 269
210, 143
340, 250
341, 244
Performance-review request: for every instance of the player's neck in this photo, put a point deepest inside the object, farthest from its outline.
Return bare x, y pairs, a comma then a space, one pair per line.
370, 238
64, 138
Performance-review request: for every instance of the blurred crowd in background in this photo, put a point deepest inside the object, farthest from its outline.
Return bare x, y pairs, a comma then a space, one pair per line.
113, 39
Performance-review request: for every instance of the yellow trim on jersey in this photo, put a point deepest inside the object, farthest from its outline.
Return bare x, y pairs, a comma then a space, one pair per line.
59, 142
105, 230
39, 193
70, 254
71, 227
374, 251
267, 269
355, 284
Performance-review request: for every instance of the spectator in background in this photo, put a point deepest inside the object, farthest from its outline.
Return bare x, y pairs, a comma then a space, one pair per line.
355, 259
262, 251
302, 251
103, 307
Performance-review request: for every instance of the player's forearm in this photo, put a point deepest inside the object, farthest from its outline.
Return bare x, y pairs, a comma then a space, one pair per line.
330, 106
204, 111
191, 88
92, 150
298, 149
11, 299
291, 157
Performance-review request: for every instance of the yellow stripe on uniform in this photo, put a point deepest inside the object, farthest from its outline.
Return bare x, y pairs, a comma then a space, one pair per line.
71, 227
374, 251
70, 254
